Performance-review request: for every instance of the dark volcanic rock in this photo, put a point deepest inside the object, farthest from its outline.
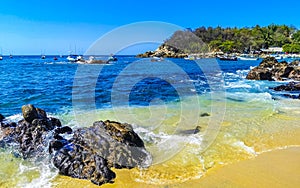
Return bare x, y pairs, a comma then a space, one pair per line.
270, 69
259, 75
63, 130
292, 86
116, 142
79, 162
292, 96
1, 117
295, 63
204, 114
295, 74
92, 151
32, 138
29, 113
89, 154
121, 132
31, 133
197, 129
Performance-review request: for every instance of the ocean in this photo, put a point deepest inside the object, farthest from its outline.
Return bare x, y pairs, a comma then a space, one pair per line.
164, 101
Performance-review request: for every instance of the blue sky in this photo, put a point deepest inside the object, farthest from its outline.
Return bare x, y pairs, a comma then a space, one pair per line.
55, 27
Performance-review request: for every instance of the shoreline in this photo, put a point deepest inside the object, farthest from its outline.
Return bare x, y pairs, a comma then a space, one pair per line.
194, 56
276, 168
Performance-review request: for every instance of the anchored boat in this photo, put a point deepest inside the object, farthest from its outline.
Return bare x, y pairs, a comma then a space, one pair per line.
245, 57
227, 58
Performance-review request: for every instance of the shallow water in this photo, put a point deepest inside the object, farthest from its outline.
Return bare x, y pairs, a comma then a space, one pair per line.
244, 119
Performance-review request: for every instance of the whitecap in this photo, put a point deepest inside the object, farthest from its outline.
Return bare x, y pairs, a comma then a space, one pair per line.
246, 148
14, 118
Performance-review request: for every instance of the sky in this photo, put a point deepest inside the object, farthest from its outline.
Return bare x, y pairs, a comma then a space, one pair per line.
58, 27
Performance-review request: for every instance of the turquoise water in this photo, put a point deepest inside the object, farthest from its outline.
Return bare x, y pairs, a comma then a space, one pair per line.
164, 101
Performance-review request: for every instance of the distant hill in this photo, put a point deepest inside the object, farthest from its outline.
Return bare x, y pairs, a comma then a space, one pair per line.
229, 40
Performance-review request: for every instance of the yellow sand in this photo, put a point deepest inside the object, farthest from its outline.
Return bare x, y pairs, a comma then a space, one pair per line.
280, 168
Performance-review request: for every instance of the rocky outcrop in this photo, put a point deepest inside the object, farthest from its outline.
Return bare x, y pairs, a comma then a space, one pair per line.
30, 113
116, 142
292, 86
166, 51
88, 154
96, 61
91, 152
1, 117
272, 70
77, 161
32, 132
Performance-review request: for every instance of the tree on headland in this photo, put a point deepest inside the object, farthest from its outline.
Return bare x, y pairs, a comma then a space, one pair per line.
291, 48
238, 39
187, 42
228, 40
296, 37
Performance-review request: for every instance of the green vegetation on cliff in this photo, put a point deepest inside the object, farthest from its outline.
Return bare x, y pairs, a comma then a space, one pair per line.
237, 39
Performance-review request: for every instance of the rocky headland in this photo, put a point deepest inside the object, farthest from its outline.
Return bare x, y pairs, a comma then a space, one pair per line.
272, 70
165, 51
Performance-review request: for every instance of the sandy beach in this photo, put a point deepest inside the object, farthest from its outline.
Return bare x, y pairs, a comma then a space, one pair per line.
279, 168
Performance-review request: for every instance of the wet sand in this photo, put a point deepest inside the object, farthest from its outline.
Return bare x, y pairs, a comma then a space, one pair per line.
279, 168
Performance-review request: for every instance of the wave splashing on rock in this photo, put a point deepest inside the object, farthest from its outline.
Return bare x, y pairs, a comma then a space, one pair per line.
89, 154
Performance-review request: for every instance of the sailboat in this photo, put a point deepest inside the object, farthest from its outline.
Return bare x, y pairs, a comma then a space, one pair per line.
43, 55
74, 57
1, 55
10, 55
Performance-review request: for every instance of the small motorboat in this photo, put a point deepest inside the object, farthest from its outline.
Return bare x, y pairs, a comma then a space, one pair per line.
112, 58
55, 58
75, 58
277, 56
190, 57
72, 58
245, 57
1, 57
43, 57
227, 58
156, 59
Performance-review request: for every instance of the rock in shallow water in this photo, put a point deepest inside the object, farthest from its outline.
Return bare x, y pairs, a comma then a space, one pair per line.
292, 86
114, 141
1, 117
270, 69
89, 154
79, 162
31, 113
31, 134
